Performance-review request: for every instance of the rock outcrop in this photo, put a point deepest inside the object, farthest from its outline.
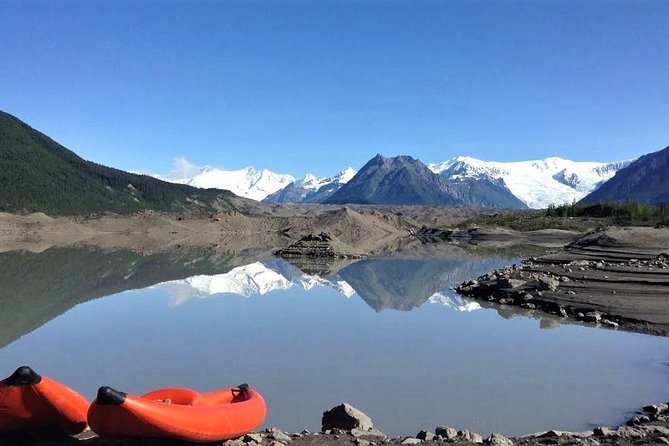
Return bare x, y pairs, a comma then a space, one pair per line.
323, 245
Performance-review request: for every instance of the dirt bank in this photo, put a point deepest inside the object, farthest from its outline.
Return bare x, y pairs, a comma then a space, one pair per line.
369, 229
151, 230
617, 278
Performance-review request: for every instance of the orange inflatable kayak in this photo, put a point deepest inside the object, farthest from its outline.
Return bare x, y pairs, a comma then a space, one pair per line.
32, 402
178, 413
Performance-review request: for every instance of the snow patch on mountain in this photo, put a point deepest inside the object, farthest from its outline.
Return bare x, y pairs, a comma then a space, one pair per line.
538, 183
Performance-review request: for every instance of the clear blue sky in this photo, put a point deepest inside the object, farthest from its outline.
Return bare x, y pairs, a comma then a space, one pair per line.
317, 85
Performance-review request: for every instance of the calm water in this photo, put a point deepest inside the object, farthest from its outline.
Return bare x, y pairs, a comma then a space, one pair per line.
386, 335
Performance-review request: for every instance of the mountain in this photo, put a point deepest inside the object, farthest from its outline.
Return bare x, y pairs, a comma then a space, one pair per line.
311, 189
247, 182
405, 180
39, 175
645, 180
538, 183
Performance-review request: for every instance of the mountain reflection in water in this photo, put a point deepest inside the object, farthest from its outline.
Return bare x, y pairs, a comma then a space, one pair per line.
381, 283
37, 287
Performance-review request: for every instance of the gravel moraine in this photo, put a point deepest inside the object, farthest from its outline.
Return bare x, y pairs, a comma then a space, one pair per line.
608, 278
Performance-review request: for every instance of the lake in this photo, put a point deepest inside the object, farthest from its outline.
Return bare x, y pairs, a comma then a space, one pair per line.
386, 335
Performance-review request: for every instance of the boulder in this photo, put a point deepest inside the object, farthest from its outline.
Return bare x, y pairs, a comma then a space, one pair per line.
654, 430
411, 440
609, 323
604, 432
279, 435
550, 434
425, 435
638, 419
656, 409
467, 435
592, 316
548, 283
505, 282
346, 417
253, 436
496, 439
447, 433
629, 432
372, 434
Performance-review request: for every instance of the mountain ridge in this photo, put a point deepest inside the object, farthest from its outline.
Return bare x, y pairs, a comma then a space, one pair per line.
311, 189
538, 183
645, 180
248, 182
37, 174
406, 180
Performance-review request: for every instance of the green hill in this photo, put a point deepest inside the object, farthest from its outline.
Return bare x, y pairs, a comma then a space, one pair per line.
39, 175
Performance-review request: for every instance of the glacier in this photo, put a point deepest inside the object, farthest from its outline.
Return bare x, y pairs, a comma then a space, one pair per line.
538, 183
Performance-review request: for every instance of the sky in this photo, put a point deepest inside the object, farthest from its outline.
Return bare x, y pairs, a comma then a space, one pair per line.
318, 85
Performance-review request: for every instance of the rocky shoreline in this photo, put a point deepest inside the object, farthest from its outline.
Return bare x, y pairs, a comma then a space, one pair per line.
345, 425
616, 278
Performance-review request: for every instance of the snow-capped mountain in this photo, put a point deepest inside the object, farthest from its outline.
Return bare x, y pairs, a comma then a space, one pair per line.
538, 183
257, 278
248, 182
311, 189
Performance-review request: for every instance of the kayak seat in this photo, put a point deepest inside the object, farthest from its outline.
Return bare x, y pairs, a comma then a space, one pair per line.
183, 397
